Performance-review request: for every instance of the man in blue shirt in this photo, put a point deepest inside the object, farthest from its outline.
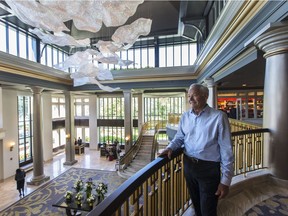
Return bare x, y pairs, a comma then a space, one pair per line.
208, 157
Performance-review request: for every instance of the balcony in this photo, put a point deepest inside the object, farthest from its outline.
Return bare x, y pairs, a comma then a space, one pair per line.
159, 188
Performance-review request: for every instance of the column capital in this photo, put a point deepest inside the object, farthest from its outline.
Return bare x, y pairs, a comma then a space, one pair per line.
127, 91
274, 39
209, 81
36, 89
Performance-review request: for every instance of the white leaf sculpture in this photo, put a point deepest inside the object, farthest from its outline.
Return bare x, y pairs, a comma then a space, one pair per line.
77, 59
60, 39
128, 34
88, 72
108, 47
117, 12
48, 16
37, 15
86, 16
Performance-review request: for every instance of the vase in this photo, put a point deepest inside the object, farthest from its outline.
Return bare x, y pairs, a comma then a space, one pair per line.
88, 194
78, 204
90, 205
100, 197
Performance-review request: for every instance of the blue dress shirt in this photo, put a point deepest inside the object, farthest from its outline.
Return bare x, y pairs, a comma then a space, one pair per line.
207, 137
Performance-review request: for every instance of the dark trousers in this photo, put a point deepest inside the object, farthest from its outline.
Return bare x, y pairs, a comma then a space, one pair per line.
202, 178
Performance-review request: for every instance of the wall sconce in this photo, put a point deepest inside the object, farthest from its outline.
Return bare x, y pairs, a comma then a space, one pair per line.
67, 136
12, 146
127, 138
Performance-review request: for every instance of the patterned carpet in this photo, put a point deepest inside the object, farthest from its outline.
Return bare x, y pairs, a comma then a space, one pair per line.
40, 201
276, 206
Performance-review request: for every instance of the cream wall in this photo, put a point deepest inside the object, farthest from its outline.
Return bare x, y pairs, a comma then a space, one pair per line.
10, 119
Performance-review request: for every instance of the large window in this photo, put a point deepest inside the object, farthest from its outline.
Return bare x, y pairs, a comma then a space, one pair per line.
25, 135
82, 111
158, 107
173, 51
3, 37
58, 111
111, 111
81, 106
58, 107
59, 137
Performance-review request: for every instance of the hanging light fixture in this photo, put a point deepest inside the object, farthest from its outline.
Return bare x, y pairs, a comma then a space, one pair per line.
48, 18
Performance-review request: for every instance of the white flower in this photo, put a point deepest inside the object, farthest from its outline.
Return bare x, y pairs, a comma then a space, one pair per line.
68, 195
91, 199
78, 196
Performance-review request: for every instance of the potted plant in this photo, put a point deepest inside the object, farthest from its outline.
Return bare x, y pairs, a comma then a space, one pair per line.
101, 190
89, 185
90, 200
68, 196
78, 186
78, 198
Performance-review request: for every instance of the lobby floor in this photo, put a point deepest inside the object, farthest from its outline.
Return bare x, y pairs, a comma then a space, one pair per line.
90, 160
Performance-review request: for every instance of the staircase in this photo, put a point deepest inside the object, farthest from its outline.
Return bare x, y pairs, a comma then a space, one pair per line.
142, 158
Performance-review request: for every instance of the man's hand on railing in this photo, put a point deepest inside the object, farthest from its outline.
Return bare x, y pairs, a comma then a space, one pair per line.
167, 151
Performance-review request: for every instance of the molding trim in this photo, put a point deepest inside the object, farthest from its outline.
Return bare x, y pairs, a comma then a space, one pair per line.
246, 10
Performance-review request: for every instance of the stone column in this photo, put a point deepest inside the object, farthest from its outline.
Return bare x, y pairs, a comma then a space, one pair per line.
38, 167
212, 100
128, 118
140, 112
274, 42
69, 126
93, 132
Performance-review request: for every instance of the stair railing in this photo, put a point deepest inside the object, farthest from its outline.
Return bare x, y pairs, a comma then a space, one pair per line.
161, 124
132, 152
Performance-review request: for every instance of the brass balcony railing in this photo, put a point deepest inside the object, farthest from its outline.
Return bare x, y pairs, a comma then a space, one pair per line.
160, 188
157, 189
237, 125
248, 149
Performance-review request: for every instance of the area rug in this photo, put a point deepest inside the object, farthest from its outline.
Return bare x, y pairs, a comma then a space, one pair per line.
40, 201
276, 206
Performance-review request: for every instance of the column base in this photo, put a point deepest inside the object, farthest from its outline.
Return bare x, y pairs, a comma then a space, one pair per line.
38, 180
70, 163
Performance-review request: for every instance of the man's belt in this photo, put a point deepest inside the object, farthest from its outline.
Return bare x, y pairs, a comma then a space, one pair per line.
193, 159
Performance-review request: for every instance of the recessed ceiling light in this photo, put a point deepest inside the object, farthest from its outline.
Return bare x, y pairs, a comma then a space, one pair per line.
244, 85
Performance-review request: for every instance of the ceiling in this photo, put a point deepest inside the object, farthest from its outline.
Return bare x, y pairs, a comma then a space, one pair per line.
168, 18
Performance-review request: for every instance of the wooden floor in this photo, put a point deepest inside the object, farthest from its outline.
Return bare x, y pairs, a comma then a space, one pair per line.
90, 160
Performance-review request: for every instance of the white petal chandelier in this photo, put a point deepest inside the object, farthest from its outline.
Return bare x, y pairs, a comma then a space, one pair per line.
48, 17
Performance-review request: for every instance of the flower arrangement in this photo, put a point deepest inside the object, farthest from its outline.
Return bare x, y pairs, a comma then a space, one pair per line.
90, 200
101, 190
78, 197
89, 185
68, 196
78, 186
